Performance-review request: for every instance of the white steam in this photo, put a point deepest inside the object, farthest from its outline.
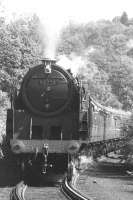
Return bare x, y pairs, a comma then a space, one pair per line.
74, 63
52, 25
86, 162
51, 35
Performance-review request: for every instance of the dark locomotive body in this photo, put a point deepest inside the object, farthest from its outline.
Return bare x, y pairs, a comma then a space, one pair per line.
44, 117
50, 119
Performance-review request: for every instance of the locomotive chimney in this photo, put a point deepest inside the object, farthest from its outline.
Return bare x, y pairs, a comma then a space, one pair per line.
47, 64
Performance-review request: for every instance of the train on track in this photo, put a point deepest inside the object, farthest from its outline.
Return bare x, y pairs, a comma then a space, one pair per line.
51, 118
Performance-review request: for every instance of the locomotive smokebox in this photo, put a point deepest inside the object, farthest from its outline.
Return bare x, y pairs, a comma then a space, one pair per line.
47, 63
47, 90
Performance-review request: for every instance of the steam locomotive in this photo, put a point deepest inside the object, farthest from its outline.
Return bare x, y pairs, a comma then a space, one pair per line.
50, 119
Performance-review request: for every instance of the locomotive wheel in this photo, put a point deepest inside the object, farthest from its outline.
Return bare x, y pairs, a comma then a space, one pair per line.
22, 170
25, 172
22, 166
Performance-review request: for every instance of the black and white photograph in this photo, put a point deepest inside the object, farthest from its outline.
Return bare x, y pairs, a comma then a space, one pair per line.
66, 100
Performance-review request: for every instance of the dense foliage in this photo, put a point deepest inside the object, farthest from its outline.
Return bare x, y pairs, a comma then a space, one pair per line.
108, 46
20, 48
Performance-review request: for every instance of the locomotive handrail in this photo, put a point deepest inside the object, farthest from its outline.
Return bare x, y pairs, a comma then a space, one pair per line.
109, 110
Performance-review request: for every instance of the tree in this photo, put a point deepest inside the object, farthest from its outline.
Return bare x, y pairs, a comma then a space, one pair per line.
20, 49
124, 19
111, 54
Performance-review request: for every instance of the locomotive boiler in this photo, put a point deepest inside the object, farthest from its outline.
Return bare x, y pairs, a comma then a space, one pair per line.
50, 119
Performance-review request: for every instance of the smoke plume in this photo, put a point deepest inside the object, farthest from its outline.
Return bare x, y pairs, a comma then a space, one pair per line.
50, 34
73, 62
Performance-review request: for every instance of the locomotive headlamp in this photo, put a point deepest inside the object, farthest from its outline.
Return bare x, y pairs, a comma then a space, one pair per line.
73, 147
17, 147
47, 63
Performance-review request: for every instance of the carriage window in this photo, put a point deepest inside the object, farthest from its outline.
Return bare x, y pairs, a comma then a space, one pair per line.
55, 133
37, 132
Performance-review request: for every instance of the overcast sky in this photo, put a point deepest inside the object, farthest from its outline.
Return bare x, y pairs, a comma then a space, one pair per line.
63, 10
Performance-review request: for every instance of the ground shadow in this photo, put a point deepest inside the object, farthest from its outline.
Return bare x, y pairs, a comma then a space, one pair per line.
9, 174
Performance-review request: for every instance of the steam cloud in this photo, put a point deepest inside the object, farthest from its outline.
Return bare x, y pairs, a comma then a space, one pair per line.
50, 33
51, 40
75, 63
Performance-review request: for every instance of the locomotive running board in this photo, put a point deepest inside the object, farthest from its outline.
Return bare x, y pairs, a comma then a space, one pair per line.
55, 146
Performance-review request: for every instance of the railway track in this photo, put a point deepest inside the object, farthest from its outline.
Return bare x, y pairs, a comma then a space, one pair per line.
106, 181
70, 191
18, 192
101, 181
66, 191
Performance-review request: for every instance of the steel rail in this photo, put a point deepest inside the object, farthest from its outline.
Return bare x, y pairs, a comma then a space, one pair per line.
67, 188
18, 192
70, 192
